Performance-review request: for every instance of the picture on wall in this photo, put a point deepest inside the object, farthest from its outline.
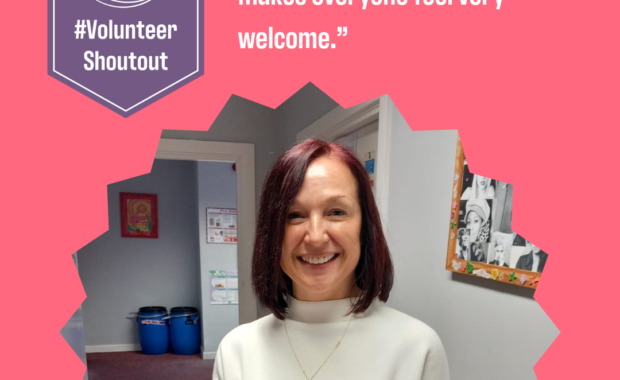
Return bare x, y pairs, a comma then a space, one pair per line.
222, 225
481, 241
224, 286
139, 215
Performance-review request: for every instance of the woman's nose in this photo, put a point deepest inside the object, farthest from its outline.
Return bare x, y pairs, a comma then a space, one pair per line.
316, 233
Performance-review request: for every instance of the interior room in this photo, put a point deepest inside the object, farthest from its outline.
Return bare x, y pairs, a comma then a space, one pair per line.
223, 168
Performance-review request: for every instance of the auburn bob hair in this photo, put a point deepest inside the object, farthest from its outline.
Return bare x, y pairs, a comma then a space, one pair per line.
374, 272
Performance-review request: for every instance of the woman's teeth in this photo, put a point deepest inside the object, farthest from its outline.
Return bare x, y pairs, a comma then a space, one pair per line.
317, 260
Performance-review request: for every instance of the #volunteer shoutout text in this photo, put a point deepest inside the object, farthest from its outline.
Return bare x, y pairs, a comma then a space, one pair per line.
111, 31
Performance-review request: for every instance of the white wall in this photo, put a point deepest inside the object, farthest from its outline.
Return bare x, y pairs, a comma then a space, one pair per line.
122, 274
364, 141
490, 330
217, 188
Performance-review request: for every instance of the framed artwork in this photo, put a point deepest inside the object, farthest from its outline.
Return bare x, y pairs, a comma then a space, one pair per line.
480, 237
139, 215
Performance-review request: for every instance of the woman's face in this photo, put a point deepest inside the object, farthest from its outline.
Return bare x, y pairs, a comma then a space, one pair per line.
321, 246
474, 221
483, 182
466, 237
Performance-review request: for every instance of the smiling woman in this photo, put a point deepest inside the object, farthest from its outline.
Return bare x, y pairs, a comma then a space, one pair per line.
322, 266
321, 246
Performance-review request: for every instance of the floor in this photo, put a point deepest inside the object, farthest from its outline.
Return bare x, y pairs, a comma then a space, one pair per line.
137, 366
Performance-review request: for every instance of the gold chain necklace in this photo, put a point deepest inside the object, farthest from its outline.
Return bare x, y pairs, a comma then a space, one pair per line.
334, 350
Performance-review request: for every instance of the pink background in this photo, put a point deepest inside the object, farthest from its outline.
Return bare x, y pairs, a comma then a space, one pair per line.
536, 79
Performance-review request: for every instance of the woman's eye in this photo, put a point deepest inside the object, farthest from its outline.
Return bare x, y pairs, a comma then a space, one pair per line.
338, 213
293, 215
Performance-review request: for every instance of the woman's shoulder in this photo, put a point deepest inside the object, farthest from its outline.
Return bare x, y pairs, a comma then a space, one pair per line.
414, 340
410, 330
250, 331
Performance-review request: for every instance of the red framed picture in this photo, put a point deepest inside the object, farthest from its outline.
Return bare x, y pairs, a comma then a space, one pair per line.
139, 215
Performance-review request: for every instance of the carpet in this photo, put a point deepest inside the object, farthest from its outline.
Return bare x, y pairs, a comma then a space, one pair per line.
137, 366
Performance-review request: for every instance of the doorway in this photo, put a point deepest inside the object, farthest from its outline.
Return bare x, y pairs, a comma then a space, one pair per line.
209, 160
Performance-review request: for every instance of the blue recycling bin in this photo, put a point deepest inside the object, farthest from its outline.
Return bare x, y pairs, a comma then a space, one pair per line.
153, 329
184, 330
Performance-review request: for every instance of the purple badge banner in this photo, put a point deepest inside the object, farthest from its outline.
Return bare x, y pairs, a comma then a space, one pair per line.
125, 54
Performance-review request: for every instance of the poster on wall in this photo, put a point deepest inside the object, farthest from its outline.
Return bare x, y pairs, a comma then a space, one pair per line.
224, 285
481, 241
139, 215
370, 159
222, 225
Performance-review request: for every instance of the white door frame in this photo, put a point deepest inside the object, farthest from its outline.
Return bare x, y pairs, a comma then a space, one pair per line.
340, 122
243, 156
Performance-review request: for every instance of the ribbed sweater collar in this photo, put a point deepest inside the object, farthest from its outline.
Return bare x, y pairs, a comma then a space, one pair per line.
320, 312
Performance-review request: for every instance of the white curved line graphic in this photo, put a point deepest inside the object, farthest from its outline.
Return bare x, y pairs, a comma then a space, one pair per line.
124, 6
128, 2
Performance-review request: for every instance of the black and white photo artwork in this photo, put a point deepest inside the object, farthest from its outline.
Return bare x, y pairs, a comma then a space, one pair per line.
484, 226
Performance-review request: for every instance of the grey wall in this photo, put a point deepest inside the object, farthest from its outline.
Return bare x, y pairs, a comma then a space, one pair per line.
217, 188
271, 131
73, 330
241, 121
299, 111
490, 330
122, 274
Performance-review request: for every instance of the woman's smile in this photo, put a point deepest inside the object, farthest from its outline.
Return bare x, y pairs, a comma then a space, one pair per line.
317, 261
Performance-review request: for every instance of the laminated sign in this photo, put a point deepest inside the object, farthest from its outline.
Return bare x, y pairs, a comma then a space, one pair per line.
125, 54
222, 225
224, 287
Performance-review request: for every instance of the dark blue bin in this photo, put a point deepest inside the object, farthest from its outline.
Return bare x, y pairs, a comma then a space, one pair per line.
153, 328
184, 330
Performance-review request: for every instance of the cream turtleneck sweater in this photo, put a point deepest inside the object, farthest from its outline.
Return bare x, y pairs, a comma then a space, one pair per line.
380, 344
